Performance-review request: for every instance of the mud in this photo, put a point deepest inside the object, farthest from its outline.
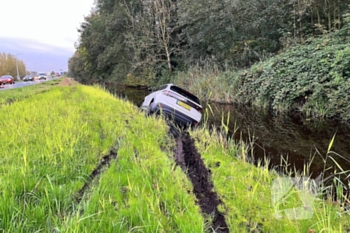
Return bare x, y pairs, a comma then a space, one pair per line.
104, 163
190, 161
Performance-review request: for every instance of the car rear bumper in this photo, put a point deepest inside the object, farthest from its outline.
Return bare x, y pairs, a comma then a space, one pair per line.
177, 116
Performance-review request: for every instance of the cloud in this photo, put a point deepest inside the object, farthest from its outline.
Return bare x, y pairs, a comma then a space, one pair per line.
38, 56
43, 32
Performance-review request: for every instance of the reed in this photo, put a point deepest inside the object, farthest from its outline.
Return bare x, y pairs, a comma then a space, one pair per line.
248, 191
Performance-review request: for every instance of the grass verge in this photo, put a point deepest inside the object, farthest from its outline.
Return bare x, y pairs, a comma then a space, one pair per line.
14, 94
52, 141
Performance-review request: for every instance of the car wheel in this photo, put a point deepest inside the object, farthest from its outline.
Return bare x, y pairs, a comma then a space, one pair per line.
149, 109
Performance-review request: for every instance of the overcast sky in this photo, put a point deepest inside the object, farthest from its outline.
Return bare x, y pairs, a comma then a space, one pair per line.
42, 33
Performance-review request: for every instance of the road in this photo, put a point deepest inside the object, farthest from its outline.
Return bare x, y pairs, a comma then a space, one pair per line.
23, 84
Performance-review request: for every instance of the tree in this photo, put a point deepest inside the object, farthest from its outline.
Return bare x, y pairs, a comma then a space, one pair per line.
101, 45
151, 33
9, 64
135, 37
76, 68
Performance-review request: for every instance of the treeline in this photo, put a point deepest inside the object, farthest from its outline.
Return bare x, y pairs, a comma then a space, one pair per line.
139, 41
9, 64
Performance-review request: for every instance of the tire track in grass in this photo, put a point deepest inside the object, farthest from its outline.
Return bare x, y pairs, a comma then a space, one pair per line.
190, 161
104, 162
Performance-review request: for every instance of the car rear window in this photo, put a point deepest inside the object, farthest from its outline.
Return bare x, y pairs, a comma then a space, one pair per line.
185, 93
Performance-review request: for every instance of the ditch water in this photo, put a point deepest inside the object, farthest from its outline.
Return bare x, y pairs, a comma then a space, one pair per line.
282, 139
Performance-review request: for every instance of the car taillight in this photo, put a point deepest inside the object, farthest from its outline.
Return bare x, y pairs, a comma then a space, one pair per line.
179, 97
200, 109
172, 94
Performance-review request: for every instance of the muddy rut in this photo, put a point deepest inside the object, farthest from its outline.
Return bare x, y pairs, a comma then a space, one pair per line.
190, 161
104, 164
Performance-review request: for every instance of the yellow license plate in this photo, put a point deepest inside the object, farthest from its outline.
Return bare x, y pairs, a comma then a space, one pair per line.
182, 104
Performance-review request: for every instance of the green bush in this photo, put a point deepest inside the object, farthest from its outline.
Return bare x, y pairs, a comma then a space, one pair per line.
311, 77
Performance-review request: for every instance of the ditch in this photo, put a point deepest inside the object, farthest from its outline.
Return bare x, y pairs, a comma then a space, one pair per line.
285, 140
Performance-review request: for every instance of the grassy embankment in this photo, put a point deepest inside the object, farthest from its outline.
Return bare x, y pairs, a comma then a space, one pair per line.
9, 95
53, 141
311, 78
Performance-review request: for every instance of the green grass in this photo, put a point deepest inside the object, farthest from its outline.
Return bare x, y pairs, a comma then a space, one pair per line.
15, 94
53, 141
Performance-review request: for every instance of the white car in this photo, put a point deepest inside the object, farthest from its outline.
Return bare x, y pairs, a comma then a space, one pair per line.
42, 76
174, 102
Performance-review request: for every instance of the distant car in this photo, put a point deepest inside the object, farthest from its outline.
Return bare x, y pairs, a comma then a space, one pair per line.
175, 103
42, 76
28, 78
7, 79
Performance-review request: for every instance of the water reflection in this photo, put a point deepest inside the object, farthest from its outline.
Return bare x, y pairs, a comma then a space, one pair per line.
134, 95
298, 141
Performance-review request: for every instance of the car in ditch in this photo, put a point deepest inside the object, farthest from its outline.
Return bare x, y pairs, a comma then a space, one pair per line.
7, 79
174, 103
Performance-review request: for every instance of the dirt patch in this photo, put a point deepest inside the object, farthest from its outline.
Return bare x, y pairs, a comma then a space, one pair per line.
68, 82
190, 161
104, 163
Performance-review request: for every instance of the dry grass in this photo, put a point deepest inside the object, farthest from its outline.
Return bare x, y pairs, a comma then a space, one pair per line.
68, 82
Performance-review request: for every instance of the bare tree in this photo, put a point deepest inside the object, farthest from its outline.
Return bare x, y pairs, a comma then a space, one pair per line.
151, 35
